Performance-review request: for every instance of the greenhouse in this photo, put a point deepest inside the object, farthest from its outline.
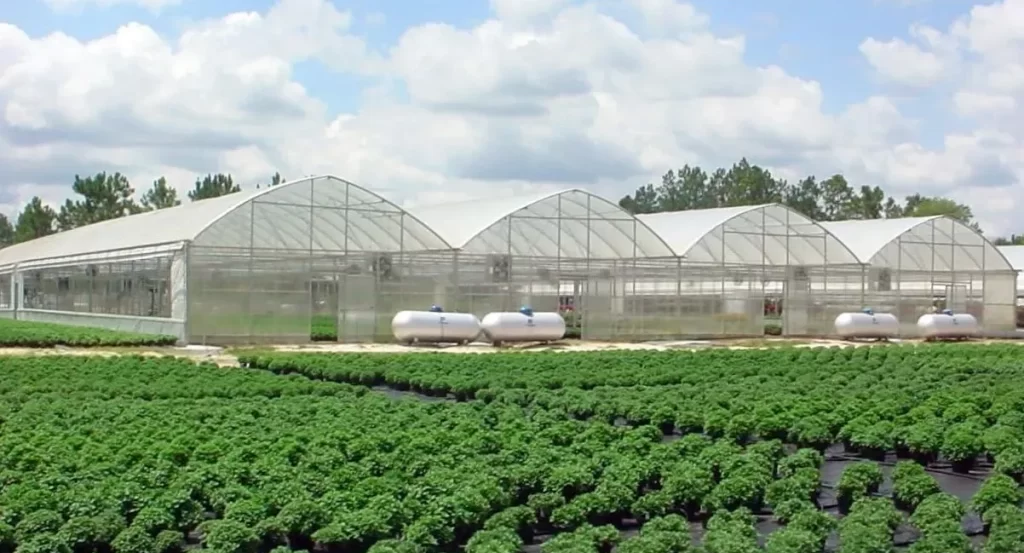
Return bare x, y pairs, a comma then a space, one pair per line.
570, 251
250, 267
920, 264
746, 269
322, 258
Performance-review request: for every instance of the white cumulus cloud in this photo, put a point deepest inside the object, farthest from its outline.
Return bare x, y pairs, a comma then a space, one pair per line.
544, 94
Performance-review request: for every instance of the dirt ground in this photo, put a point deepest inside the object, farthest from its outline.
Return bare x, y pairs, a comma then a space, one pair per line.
228, 357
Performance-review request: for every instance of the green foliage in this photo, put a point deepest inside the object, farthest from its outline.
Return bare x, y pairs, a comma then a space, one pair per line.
831, 199
36, 220
293, 451
1013, 240
939, 513
275, 180
46, 335
731, 532
869, 526
859, 480
160, 196
997, 490
911, 484
324, 328
213, 186
6, 231
104, 197
1006, 529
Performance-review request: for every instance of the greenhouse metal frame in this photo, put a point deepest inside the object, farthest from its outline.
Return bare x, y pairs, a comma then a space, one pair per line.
919, 265
747, 269
570, 250
325, 256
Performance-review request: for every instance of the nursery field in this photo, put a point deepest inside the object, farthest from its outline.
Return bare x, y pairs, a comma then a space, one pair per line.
45, 335
858, 450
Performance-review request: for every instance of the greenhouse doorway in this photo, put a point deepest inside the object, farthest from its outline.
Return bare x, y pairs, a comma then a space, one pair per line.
357, 308
572, 307
956, 297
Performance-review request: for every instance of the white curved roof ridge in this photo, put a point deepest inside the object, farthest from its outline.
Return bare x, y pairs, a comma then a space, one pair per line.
173, 226
787, 237
868, 238
472, 225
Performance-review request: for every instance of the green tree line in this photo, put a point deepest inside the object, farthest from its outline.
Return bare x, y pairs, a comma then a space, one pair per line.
105, 196
831, 199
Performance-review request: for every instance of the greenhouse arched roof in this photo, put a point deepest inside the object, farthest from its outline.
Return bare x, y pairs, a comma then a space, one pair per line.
770, 234
339, 213
935, 243
569, 224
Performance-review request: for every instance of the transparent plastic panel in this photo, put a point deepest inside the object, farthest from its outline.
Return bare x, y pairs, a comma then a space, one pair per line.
939, 245
766, 235
321, 214
493, 240
570, 225
233, 230
836, 253
236, 299
330, 231
572, 238
7, 291
377, 230
749, 247
613, 238
534, 236
299, 193
993, 258
281, 226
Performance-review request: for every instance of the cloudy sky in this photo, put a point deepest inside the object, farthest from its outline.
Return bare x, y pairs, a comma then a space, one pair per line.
429, 100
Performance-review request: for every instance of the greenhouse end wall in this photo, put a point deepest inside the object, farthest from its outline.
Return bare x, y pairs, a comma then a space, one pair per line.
920, 265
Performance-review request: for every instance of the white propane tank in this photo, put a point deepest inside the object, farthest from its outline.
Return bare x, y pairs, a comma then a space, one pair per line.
435, 326
523, 326
867, 324
934, 326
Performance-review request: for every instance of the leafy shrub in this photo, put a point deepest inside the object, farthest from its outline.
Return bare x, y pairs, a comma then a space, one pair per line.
996, 490
911, 484
28, 334
938, 513
858, 480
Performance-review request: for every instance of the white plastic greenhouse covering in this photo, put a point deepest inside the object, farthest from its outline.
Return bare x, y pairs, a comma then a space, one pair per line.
324, 247
769, 234
573, 224
316, 214
916, 261
346, 216
736, 262
1015, 255
919, 244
